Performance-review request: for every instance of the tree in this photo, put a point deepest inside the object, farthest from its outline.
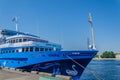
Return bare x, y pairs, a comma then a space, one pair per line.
96, 56
108, 54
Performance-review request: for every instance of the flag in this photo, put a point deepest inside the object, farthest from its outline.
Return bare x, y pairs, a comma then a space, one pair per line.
90, 18
15, 19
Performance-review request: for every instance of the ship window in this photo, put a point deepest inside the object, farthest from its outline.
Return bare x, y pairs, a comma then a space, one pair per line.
26, 49
13, 41
29, 40
6, 51
46, 49
16, 50
16, 40
2, 51
10, 41
24, 40
50, 49
9, 51
57, 49
31, 49
13, 51
20, 40
7, 41
41, 49
23, 49
36, 49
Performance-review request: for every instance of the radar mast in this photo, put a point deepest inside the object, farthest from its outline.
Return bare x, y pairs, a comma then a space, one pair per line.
92, 31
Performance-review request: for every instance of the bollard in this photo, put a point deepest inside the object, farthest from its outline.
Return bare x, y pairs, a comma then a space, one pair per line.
17, 69
34, 72
64, 77
45, 74
12, 68
49, 78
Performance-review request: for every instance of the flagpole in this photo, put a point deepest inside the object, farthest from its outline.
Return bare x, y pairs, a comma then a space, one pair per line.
16, 23
92, 31
15, 19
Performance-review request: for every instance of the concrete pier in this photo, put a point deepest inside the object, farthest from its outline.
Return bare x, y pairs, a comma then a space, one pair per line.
13, 75
16, 74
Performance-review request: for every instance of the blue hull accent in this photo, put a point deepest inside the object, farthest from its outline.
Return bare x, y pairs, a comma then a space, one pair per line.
61, 67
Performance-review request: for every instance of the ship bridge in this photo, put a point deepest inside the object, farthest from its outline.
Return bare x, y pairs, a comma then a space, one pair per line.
23, 38
18, 39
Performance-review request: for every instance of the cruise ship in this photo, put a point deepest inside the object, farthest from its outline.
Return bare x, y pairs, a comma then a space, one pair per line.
31, 53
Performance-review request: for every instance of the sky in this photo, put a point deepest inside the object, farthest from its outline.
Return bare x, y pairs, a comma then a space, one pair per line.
66, 21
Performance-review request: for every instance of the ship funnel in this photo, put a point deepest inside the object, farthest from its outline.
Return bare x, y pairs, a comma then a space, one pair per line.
92, 31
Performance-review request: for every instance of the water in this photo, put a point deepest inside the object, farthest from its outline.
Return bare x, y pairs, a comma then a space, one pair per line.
106, 69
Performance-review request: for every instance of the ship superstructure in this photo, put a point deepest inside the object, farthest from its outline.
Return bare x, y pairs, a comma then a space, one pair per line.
22, 42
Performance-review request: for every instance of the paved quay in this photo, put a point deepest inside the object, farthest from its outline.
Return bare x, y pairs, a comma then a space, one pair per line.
11, 75
17, 74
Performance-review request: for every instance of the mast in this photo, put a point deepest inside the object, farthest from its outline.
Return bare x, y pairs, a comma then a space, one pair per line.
92, 31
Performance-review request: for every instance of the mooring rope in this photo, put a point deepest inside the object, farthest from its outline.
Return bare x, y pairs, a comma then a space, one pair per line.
97, 77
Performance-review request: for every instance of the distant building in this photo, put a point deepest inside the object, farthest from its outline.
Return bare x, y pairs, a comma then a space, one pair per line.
117, 55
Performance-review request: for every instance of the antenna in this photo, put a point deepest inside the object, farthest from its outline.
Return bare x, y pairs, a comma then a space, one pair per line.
92, 31
15, 19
